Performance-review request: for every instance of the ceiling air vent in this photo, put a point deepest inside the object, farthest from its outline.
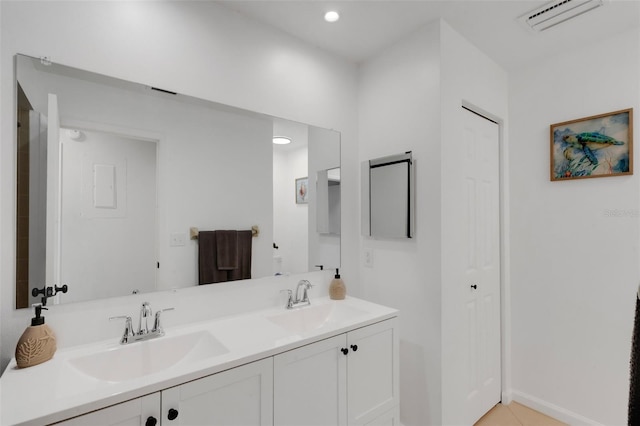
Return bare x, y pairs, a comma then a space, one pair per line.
557, 12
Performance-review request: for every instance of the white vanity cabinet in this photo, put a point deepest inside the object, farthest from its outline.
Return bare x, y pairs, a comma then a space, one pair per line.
143, 411
310, 384
349, 379
239, 396
332, 363
372, 375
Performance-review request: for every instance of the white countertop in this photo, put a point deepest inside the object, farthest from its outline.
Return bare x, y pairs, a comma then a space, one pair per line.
55, 390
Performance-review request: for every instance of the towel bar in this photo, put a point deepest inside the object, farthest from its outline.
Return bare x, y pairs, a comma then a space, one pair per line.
193, 232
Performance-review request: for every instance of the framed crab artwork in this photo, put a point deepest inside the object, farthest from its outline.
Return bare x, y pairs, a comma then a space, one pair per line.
596, 146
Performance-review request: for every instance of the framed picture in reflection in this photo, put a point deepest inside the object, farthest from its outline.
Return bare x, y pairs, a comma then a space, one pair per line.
302, 190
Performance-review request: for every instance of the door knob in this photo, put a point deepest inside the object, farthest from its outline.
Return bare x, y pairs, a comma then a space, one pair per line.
354, 347
151, 421
345, 351
474, 286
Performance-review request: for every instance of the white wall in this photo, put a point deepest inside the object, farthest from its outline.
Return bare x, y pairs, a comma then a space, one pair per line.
94, 240
399, 111
574, 244
195, 48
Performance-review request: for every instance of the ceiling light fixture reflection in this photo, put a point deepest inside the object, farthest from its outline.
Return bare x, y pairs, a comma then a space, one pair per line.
281, 140
331, 16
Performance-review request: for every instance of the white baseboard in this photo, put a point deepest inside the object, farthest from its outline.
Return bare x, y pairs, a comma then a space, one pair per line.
507, 397
550, 409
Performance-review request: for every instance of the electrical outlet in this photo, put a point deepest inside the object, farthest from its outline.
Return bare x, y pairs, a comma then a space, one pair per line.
368, 257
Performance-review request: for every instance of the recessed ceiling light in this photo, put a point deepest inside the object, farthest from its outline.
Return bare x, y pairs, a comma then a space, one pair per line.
331, 16
281, 140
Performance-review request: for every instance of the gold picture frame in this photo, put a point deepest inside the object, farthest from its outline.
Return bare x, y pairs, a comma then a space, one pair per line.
596, 146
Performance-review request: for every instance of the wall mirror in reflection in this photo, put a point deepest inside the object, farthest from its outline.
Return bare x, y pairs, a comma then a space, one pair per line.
112, 175
328, 203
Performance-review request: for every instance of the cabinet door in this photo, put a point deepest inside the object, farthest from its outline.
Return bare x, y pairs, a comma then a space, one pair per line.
240, 396
372, 372
390, 418
310, 384
144, 411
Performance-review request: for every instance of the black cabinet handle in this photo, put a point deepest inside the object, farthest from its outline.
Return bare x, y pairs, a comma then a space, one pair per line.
474, 286
151, 421
354, 347
63, 289
345, 350
173, 414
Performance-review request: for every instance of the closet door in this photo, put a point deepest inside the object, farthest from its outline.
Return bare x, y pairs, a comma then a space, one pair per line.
471, 273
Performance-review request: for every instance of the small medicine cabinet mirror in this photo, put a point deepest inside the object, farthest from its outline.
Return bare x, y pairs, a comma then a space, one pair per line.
387, 197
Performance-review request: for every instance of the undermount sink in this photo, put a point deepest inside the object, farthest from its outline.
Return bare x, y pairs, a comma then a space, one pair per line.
313, 317
143, 358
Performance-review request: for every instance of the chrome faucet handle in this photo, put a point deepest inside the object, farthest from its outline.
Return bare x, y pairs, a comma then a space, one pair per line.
305, 296
145, 312
157, 324
290, 299
306, 285
128, 328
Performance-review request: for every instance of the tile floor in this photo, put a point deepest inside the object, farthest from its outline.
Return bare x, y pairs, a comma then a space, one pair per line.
516, 414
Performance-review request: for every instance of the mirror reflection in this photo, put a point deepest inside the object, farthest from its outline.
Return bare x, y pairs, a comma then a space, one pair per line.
112, 175
328, 205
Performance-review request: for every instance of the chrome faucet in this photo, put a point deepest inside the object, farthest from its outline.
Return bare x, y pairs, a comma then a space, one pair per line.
129, 336
297, 301
145, 313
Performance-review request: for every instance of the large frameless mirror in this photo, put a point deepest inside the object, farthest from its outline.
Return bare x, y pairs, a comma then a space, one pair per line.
112, 175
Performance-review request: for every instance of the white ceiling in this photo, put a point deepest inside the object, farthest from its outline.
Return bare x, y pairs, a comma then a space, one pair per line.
368, 26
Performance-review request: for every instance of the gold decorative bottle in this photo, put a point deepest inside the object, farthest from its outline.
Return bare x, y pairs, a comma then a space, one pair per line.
337, 289
37, 344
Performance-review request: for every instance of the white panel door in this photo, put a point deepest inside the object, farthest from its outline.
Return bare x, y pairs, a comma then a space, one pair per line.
37, 203
53, 194
143, 411
310, 384
240, 396
478, 278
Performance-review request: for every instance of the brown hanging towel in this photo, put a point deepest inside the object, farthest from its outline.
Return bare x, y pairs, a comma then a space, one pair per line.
219, 252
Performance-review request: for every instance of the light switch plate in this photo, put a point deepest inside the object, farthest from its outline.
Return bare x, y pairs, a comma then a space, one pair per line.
368, 257
177, 240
